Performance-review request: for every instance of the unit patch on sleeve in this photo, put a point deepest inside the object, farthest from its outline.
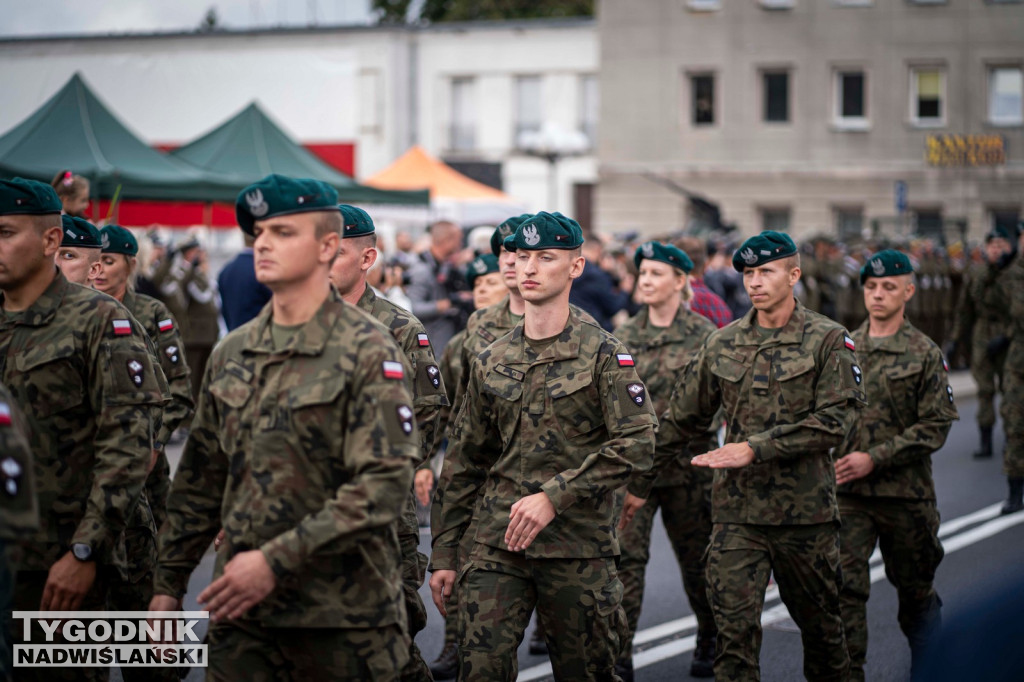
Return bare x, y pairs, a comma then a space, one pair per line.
422, 340
435, 375
11, 472
405, 418
122, 327
849, 344
393, 370
166, 325
135, 370
172, 354
857, 374
637, 392
625, 360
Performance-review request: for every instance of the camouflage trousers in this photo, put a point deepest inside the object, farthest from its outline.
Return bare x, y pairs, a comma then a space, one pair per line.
907, 533
805, 563
578, 603
988, 375
414, 570
686, 513
1012, 410
243, 650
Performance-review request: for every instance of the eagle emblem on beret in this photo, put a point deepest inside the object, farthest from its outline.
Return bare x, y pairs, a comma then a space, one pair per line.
480, 267
878, 267
748, 256
530, 235
648, 250
105, 240
257, 204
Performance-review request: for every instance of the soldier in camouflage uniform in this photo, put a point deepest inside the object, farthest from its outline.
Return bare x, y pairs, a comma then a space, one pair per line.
984, 327
886, 493
663, 337
554, 421
1012, 406
80, 369
79, 249
302, 449
19, 514
356, 255
788, 381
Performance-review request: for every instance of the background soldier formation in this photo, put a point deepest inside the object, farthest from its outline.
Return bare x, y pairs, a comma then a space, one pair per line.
312, 417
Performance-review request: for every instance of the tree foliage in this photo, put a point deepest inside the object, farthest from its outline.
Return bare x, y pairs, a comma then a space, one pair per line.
435, 11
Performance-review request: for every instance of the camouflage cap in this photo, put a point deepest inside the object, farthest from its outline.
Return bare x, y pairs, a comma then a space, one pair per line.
19, 196
479, 266
116, 239
277, 195
888, 263
666, 253
506, 229
355, 222
545, 231
79, 233
763, 248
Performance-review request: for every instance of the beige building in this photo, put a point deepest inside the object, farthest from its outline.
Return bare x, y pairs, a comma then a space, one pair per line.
812, 115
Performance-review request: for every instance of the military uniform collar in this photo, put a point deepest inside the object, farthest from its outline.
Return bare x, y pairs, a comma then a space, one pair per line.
311, 339
896, 343
366, 301
42, 311
129, 299
566, 347
790, 333
680, 323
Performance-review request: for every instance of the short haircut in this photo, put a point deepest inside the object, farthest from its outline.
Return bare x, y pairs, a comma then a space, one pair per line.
792, 261
42, 223
328, 222
364, 241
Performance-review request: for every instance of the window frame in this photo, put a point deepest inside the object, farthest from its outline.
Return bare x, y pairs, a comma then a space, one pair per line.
454, 127
990, 70
692, 98
850, 123
518, 127
764, 74
764, 210
914, 119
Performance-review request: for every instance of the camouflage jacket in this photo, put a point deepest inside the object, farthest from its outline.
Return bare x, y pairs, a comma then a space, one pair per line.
452, 371
661, 353
981, 311
80, 368
1013, 284
908, 414
791, 395
573, 422
304, 453
19, 514
428, 386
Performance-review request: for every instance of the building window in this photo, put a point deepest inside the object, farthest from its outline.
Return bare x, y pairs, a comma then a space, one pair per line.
704, 5
776, 218
927, 96
1006, 95
849, 222
776, 96
590, 104
1004, 217
851, 102
702, 92
529, 111
462, 129
928, 223
778, 4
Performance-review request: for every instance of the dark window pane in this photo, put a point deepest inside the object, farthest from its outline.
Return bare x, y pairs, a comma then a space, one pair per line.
853, 95
703, 100
776, 97
929, 224
929, 107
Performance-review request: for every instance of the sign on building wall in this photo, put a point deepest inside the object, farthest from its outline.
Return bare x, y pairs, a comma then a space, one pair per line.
965, 150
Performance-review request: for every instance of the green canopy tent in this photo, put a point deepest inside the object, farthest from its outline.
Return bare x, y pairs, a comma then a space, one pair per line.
251, 145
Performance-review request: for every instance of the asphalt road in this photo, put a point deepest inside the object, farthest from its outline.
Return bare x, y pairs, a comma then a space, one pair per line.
981, 549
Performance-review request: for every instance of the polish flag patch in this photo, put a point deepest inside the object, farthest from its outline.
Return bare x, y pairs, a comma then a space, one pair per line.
122, 327
422, 340
945, 365
625, 360
166, 325
849, 342
5, 414
393, 370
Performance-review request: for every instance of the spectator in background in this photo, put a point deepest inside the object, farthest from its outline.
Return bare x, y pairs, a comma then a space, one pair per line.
721, 278
189, 280
434, 285
704, 302
73, 191
596, 291
242, 297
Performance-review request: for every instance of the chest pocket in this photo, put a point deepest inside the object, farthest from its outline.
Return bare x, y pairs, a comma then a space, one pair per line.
506, 393
53, 375
901, 380
316, 422
730, 369
576, 404
796, 380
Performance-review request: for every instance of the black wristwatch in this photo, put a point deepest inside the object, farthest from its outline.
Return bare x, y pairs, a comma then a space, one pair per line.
81, 551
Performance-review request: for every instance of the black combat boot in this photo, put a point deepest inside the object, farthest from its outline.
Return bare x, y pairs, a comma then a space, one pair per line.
986, 443
447, 664
1015, 502
703, 664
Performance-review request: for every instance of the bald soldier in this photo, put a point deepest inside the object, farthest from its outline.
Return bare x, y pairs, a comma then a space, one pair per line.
302, 449
884, 466
789, 385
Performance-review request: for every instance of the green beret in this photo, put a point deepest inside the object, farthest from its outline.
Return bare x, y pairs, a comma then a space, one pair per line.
79, 233
277, 195
28, 197
546, 231
764, 248
886, 263
481, 265
666, 253
116, 239
506, 229
1007, 232
356, 222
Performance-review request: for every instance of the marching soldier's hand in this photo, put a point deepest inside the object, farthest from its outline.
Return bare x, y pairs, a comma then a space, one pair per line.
530, 515
246, 581
630, 506
67, 584
853, 466
162, 602
423, 483
729, 456
219, 540
441, 584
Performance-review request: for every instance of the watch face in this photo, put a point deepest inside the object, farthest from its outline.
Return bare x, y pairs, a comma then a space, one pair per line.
81, 551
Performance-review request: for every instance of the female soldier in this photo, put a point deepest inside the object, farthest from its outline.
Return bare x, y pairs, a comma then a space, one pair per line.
663, 337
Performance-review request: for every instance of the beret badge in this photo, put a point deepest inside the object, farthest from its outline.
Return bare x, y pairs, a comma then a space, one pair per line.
257, 204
